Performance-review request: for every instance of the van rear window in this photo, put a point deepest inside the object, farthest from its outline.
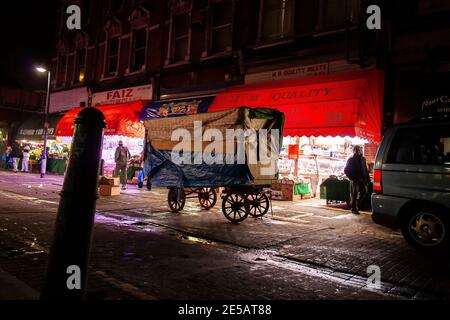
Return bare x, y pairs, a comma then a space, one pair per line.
427, 145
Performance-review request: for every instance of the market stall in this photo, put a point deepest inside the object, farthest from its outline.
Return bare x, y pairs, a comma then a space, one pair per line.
325, 117
31, 133
122, 123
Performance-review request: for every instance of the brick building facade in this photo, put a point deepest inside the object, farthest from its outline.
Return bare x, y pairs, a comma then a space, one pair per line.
15, 106
191, 47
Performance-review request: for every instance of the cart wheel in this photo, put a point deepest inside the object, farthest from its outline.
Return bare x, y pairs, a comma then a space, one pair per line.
235, 206
176, 201
259, 204
207, 198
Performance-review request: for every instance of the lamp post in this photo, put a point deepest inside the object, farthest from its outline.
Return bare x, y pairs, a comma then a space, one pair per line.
47, 106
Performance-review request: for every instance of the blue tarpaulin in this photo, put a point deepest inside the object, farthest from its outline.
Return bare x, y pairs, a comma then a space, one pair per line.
175, 108
200, 168
162, 171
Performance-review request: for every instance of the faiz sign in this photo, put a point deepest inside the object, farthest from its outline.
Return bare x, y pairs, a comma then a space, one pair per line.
122, 95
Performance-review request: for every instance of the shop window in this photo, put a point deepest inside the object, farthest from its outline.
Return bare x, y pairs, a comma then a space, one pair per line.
221, 29
428, 145
277, 19
139, 47
335, 14
112, 59
80, 67
180, 38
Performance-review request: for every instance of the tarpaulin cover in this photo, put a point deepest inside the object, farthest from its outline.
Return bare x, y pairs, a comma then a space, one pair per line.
175, 108
162, 167
33, 128
343, 104
121, 119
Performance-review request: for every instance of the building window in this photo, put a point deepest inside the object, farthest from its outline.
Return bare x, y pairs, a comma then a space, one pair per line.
221, 28
139, 46
276, 19
337, 13
112, 59
180, 38
80, 68
62, 64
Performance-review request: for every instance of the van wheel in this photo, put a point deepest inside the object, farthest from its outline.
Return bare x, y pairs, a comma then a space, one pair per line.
427, 229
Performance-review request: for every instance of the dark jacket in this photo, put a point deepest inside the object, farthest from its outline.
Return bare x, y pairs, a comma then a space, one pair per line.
122, 155
356, 169
16, 152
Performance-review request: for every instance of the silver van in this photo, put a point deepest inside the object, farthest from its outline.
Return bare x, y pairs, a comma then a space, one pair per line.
412, 182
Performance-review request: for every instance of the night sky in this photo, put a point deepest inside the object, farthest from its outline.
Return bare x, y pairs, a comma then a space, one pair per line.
27, 38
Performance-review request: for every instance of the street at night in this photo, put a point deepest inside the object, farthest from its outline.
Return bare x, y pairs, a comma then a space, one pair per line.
141, 250
223, 159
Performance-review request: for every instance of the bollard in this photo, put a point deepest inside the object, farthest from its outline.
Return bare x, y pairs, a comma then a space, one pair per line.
69, 254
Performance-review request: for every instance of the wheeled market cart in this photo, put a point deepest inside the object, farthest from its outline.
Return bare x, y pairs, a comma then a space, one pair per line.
244, 182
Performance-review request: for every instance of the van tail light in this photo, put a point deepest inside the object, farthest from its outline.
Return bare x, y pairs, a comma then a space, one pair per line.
377, 186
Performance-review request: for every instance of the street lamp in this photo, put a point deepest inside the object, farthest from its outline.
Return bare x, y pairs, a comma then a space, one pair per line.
47, 106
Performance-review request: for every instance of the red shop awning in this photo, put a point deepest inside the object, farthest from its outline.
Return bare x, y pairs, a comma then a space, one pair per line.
345, 104
121, 119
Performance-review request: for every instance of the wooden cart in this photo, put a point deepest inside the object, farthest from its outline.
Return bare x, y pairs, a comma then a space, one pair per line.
243, 185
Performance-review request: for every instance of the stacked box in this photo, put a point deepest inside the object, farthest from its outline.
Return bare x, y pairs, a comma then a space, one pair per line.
285, 191
109, 186
282, 191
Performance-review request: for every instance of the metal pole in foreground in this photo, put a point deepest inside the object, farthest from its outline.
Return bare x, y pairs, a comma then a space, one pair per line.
47, 106
69, 254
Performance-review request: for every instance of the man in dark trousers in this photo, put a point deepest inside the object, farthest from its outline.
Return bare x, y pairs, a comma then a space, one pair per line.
16, 154
356, 170
122, 157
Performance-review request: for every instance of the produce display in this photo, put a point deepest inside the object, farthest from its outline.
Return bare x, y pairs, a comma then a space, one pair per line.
324, 156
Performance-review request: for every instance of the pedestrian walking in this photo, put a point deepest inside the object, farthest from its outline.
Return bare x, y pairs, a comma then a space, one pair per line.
6, 158
356, 170
122, 156
16, 155
25, 158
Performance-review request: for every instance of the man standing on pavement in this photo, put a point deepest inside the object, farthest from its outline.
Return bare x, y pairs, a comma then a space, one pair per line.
25, 158
121, 157
356, 170
16, 154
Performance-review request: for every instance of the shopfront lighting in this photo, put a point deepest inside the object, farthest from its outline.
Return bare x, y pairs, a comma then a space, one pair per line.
40, 69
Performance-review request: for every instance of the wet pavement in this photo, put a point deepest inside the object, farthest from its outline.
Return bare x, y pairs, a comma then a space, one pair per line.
140, 250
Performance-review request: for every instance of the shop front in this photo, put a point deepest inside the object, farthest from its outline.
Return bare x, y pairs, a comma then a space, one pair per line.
325, 116
122, 123
31, 133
